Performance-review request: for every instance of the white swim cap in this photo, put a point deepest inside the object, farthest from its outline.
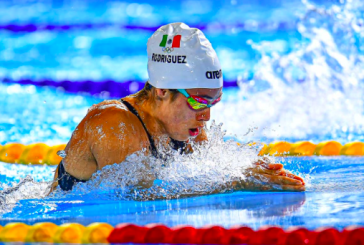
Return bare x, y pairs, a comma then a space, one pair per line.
180, 57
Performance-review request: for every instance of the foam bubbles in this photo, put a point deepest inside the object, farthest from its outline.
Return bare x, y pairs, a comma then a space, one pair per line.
311, 93
25, 189
211, 168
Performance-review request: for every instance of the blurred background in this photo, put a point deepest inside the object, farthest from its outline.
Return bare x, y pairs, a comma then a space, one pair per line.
293, 70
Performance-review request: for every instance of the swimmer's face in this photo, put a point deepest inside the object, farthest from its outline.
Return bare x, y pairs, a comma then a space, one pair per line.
179, 120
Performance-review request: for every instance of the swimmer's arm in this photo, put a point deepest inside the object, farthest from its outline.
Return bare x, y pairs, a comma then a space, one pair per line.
115, 136
55, 181
267, 176
263, 176
260, 182
257, 178
112, 137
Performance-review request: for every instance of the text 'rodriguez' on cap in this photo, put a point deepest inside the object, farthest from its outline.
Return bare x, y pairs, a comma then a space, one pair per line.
180, 57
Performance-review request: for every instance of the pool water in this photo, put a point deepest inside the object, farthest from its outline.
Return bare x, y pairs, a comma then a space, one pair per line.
299, 73
334, 197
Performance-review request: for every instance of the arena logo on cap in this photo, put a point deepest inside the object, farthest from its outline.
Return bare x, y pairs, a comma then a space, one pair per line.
169, 43
213, 74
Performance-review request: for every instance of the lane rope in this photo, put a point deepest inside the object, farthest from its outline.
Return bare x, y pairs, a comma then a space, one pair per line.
183, 234
107, 88
40, 153
247, 26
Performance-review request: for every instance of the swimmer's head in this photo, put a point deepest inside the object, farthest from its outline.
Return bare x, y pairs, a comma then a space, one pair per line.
185, 80
179, 118
180, 57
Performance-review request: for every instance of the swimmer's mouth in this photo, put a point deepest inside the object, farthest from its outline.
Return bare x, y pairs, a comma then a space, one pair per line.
194, 131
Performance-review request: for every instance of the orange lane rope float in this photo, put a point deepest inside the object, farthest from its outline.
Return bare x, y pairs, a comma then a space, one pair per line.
307, 148
40, 153
101, 233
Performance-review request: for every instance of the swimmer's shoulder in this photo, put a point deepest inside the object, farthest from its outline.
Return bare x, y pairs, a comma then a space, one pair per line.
101, 120
112, 107
114, 118
106, 135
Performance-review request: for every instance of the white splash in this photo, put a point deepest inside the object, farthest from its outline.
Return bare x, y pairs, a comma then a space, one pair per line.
27, 188
312, 93
211, 168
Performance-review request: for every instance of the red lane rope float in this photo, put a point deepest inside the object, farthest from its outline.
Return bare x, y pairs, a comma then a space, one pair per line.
325, 236
296, 236
267, 235
239, 235
97, 233
184, 235
211, 235
127, 233
352, 235
157, 233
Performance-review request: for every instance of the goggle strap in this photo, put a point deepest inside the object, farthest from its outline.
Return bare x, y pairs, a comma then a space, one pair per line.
195, 104
184, 92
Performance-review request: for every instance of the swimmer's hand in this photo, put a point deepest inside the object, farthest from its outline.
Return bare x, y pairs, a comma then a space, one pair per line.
267, 176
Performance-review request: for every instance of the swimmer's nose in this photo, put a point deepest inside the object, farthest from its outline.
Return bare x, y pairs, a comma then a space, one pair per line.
203, 115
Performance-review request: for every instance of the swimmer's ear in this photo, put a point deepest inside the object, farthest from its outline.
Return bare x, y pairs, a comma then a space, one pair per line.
162, 94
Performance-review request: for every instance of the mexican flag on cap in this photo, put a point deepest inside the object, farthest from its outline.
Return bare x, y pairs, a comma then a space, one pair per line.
181, 57
171, 41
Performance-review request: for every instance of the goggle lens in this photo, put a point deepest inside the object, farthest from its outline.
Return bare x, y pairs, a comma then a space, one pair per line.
198, 103
194, 104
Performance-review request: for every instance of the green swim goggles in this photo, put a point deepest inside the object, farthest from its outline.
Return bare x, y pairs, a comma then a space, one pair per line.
196, 102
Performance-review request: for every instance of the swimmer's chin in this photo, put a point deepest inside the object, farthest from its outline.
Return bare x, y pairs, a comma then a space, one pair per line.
191, 134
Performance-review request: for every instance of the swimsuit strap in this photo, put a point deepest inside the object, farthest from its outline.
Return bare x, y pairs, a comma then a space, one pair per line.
178, 145
151, 140
65, 180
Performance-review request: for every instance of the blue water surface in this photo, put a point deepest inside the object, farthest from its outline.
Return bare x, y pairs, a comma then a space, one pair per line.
334, 198
299, 70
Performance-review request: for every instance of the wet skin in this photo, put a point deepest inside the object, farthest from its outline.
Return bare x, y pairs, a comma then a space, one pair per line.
109, 133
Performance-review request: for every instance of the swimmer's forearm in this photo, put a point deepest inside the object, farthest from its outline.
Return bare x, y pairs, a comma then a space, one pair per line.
267, 183
250, 184
55, 181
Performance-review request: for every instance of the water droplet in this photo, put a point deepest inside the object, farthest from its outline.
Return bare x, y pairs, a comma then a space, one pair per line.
61, 154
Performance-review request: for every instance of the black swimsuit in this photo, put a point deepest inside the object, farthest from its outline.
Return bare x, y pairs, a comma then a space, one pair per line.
66, 181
